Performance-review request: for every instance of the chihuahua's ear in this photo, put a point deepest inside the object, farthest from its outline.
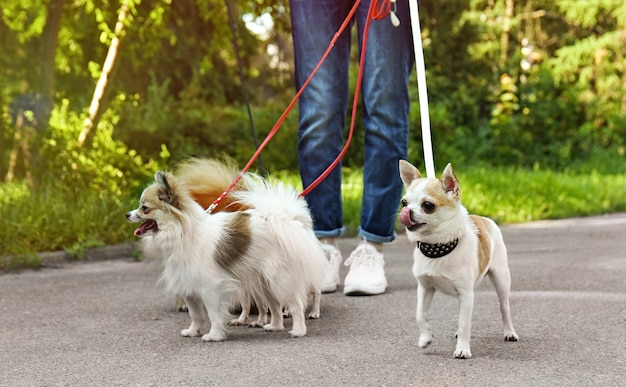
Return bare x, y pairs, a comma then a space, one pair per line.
408, 172
450, 182
166, 193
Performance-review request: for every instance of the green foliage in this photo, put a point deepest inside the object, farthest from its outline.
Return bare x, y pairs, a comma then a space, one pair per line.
82, 194
531, 95
192, 126
107, 166
553, 97
176, 83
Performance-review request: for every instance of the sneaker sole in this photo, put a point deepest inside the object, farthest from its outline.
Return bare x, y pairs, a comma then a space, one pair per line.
356, 291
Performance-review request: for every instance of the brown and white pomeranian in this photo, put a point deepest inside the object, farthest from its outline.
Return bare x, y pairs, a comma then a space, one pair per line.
266, 251
206, 180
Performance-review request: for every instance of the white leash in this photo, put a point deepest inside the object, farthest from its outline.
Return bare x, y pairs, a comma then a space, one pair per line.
421, 88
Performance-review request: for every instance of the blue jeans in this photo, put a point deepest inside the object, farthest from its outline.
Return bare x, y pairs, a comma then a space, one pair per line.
323, 109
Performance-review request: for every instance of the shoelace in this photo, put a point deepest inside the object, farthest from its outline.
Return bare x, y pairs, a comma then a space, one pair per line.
364, 254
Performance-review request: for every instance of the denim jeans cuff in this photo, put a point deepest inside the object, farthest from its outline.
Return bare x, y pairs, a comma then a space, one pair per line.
375, 238
336, 233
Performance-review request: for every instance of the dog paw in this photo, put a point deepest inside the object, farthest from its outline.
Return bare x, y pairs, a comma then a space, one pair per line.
424, 341
214, 336
256, 324
273, 328
190, 332
237, 322
314, 315
462, 353
512, 336
297, 333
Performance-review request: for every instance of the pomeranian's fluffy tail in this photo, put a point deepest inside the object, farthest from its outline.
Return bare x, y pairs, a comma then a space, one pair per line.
286, 216
206, 179
274, 199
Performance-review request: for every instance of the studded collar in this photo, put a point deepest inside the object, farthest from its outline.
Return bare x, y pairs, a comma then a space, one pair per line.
437, 250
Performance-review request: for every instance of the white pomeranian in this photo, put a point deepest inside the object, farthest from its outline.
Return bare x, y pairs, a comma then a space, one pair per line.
266, 252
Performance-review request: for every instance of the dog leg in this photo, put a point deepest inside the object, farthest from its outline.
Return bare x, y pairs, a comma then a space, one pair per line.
276, 319
243, 316
217, 309
297, 314
198, 314
245, 310
466, 306
501, 280
262, 316
424, 298
314, 313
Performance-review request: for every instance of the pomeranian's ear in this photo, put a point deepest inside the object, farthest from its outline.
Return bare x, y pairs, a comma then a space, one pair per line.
408, 172
450, 182
166, 193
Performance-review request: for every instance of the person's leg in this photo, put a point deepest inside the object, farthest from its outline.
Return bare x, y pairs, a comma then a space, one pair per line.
387, 67
388, 64
322, 105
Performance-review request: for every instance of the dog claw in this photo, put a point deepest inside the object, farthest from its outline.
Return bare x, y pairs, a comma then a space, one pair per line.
511, 337
462, 354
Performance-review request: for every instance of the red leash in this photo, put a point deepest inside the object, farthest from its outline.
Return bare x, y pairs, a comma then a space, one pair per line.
374, 12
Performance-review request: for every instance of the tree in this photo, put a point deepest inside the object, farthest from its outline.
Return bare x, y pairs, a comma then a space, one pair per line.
103, 80
31, 109
594, 65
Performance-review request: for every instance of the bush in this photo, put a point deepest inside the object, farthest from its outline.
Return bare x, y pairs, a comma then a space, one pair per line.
81, 193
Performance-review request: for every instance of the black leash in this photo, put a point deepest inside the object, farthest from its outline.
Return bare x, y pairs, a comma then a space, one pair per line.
243, 84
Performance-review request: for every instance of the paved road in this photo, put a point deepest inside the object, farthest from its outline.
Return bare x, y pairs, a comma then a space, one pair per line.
106, 323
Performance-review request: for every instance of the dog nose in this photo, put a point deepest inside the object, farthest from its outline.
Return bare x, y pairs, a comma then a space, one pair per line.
128, 215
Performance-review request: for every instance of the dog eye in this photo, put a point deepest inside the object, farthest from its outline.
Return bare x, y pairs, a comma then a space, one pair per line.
404, 203
145, 209
428, 207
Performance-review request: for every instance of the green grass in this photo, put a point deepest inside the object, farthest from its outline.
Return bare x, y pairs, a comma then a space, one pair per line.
514, 196
47, 220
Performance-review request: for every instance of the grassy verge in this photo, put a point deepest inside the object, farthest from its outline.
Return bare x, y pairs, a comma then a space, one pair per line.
48, 220
516, 196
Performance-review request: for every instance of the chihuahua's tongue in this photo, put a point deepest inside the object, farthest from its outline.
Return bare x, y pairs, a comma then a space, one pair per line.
405, 217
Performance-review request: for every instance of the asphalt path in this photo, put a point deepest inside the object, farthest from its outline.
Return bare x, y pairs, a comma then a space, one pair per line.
107, 323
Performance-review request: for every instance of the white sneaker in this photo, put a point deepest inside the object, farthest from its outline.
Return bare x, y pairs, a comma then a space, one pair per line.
331, 276
367, 272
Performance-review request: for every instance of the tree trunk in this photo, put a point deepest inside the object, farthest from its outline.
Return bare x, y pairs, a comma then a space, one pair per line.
103, 81
506, 30
50, 39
